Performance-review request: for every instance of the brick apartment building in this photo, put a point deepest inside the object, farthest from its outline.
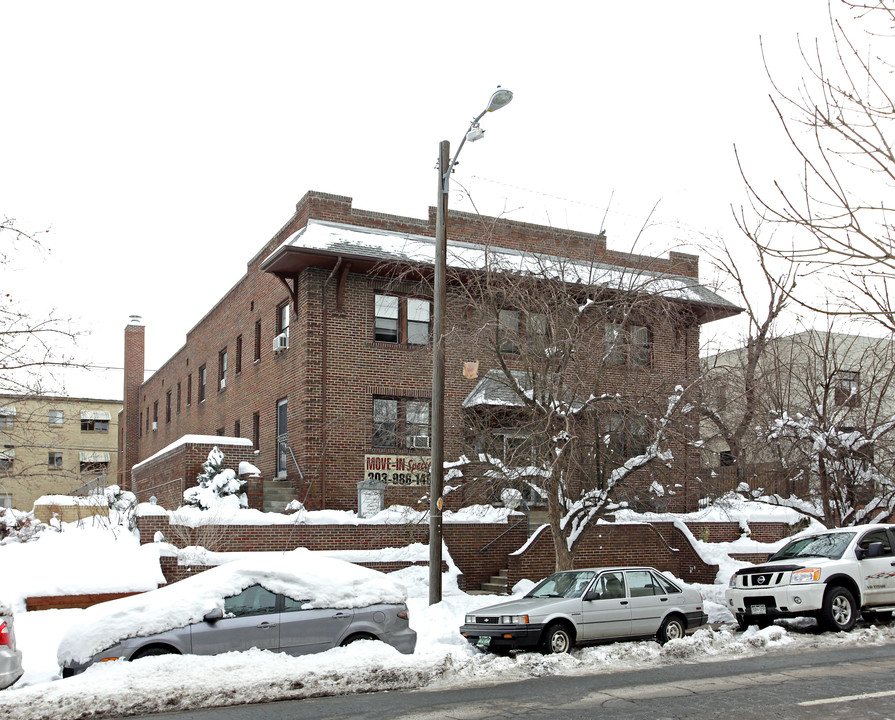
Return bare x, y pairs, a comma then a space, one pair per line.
320, 354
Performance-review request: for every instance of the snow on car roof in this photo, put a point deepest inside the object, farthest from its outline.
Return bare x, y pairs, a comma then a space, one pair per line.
300, 574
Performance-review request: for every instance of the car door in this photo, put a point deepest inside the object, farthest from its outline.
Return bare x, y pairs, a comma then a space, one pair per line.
878, 573
311, 630
648, 602
605, 610
251, 620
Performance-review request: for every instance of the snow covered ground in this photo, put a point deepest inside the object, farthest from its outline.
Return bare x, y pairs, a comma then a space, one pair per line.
442, 658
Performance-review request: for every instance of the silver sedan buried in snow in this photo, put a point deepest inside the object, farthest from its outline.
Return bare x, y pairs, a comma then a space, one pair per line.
578, 607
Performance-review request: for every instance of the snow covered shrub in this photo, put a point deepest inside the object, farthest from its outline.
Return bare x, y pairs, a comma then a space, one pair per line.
218, 486
122, 506
17, 526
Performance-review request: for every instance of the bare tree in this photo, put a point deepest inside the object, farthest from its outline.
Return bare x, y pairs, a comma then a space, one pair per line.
32, 349
833, 426
733, 383
583, 399
841, 124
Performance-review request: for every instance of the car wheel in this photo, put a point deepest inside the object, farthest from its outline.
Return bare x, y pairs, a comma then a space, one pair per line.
672, 628
151, 651
556, 639
840, 612
358, 636
745, 621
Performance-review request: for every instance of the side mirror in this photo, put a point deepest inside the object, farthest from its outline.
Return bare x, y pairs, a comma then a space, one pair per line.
875, 549
592, 595
213, 615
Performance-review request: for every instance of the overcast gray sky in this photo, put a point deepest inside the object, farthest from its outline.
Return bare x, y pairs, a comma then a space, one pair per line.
163, 143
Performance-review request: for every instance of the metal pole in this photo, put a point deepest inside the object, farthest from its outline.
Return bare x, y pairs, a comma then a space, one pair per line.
439, 296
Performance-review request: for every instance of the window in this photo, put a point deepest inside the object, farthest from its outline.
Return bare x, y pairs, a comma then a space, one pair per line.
418, 317
94, 462
189, 389
95, 421
508, 330
236, 429
847, 387
283, 321
155, 415
401, 423
254, 600
54, 460
222, 369
282, 447
627, 345
178, 397
7, 457
516, 329
401, 320
238, 354
56, 417
256, 431
203, 376
624, 437
385, 323
7, 417
219, 432
257, 340
168, 406
726, 458
536, 329
5, 500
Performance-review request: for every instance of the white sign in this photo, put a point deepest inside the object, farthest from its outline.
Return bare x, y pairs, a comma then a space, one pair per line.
397, 469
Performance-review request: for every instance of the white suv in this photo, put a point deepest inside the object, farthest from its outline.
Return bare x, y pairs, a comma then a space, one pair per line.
832, 576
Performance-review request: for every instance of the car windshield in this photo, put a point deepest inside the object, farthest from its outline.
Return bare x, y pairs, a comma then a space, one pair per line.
828, 545
569, 584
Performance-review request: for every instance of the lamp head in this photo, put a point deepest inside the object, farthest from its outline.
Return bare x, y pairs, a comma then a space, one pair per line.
499, 98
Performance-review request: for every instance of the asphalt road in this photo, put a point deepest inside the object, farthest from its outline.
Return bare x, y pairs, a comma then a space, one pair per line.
857, 683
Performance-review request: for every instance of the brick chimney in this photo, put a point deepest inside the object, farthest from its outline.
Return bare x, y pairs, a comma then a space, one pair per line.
134, 365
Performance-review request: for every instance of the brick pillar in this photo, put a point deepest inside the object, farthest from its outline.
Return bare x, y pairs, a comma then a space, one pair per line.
134, 366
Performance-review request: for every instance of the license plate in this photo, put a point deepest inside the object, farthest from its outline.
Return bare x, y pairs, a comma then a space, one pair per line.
484, 641
757, 609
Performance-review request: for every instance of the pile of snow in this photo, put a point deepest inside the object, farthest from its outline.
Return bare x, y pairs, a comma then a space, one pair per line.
300, 574
77, 561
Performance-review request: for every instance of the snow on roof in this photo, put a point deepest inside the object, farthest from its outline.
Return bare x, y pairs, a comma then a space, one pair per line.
195, 440
323, 582
383, 245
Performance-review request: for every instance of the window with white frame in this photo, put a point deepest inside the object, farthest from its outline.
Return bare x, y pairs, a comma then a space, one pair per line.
627, 344
56, 417
401, 423
400, 320
7, 417
54, 460
7, 457
5, 500
222, 369
847, 388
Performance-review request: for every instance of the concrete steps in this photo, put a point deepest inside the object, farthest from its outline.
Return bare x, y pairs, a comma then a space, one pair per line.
498, 584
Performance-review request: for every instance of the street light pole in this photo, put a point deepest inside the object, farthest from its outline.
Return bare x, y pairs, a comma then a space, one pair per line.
499, 98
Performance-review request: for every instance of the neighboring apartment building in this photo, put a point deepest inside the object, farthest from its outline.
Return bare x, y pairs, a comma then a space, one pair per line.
55, 446
833, 382
321, 355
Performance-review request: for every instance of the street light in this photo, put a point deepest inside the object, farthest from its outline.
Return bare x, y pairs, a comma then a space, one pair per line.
499, 99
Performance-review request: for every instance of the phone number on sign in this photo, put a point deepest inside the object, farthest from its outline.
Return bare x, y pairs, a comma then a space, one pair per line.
399, 478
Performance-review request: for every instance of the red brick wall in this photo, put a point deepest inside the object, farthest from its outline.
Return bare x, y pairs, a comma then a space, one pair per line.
660, 545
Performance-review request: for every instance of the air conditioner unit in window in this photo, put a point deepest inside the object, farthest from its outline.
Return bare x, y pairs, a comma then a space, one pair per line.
419, 441
280, 342
155, 425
